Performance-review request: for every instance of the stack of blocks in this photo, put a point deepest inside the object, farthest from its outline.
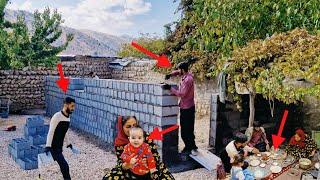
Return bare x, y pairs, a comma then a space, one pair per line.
24, 151
101, 100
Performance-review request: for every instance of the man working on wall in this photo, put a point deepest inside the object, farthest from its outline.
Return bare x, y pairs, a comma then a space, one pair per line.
187, 106
93, 75
59, 126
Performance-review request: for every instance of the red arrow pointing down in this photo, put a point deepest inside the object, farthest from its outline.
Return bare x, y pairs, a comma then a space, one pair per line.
163, 61
63, 82
277, 139
157, 135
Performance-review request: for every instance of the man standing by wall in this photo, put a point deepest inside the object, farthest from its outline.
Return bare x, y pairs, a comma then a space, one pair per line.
187, 106
59, 126
93, 75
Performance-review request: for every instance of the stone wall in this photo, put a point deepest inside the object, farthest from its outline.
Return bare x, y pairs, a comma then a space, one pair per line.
25, 88
142, 71
99, 102
311, 111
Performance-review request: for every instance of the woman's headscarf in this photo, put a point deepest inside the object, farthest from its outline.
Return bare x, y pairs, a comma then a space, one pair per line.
122, 138
300, 143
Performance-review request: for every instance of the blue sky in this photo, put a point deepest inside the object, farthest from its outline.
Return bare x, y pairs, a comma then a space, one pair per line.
116, 17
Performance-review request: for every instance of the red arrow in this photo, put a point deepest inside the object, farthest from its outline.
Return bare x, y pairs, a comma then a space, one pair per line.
277, 139
157, 135
163, 61
63, 82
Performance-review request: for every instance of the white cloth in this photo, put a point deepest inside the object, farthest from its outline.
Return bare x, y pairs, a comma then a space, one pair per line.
239, 173
232, 150
96, 77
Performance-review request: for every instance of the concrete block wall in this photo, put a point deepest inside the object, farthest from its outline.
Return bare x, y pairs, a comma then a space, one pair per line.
142, 70
24, 151
100, 102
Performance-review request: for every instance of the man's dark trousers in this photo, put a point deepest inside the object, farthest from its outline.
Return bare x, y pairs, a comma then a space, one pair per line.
64, 167
187, 118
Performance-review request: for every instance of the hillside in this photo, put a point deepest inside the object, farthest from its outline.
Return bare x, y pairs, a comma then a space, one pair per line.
85, 42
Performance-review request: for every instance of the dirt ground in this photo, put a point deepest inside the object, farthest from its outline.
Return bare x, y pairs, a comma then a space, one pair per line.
94, 157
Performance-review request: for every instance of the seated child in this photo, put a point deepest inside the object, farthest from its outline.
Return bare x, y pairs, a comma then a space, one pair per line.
236, 170
247, 173
135, 152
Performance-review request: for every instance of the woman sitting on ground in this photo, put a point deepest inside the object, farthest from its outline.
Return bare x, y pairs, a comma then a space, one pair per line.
122, 169
257, 137
301, 145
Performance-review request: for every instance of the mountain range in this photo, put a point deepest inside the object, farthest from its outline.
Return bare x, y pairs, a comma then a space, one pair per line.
85, 42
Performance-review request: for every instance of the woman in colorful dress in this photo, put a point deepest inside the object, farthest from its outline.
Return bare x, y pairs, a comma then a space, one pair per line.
257, 137
122, 169
301, 145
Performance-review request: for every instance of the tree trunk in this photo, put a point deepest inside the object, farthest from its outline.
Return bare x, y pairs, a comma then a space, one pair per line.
252, 109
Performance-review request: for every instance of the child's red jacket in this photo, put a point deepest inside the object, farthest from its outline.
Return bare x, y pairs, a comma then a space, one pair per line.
142, 151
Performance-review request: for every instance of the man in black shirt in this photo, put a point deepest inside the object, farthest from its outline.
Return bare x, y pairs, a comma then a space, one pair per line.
57, 134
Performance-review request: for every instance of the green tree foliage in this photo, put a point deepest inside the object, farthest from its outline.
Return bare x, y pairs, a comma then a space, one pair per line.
215, 27
153, 44
285, 67
20, 48
4, 63
47, 31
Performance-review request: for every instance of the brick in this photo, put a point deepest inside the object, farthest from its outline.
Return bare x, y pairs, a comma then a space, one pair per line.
126, 86
142, 117
147, 98
150, 109
127, 96
158, 90
118, 85
122, 86
131, 96
167, 100
166, 111
29, 131
135, 106
20, 143
145, 88
153, 99
153, 119
135, 87
142, 97
164, 121
114, 94
145, 108
109, 84
130, 86
151, 88
140, 88
27, 163
136, 97
34, 121
17, 153
114, 85
130, 105
140, 107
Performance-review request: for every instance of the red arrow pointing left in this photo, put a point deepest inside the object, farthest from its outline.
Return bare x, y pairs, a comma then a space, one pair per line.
163, 61
157, 135
63, 82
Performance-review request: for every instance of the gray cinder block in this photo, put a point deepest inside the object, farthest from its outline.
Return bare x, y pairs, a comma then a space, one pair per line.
166, 111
